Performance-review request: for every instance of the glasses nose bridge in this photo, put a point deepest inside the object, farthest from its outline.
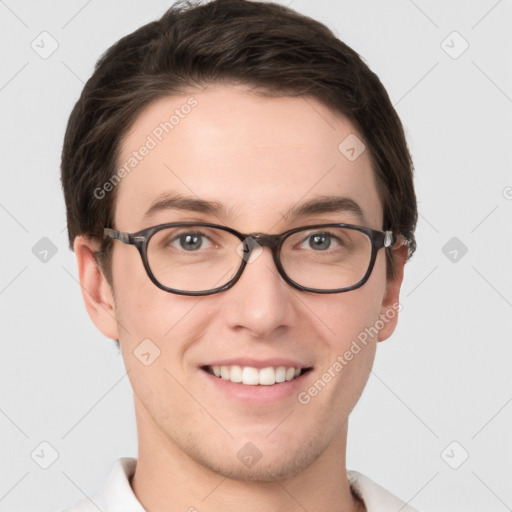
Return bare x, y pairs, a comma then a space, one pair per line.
264, 240
254, 241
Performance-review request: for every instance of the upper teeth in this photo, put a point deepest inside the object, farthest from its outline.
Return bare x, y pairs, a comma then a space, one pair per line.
253, 376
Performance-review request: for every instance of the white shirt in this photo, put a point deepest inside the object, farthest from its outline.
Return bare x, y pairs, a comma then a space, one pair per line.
116, 494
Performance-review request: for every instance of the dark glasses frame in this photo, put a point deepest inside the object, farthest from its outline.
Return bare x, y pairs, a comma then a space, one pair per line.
140, 240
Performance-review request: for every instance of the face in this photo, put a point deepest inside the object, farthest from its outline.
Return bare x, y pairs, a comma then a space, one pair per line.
260, 159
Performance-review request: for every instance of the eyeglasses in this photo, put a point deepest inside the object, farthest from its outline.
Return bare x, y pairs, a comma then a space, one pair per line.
197, 258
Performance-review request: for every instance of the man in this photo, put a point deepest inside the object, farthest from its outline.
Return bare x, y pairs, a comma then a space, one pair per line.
240, 201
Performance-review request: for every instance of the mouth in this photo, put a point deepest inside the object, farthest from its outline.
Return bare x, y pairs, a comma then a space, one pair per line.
251, 376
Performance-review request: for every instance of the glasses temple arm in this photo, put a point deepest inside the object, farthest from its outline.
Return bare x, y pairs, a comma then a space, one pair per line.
126, 238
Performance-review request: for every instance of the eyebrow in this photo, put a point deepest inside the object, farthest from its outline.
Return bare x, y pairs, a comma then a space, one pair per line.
318, 205
190, 204
327, 204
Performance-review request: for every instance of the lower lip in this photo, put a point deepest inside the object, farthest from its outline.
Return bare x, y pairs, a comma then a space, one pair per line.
259, 393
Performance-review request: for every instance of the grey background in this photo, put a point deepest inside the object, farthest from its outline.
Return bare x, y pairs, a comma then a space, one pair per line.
445, 374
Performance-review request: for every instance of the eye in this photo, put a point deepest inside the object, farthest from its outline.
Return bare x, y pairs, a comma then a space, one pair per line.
321, 241
190, 242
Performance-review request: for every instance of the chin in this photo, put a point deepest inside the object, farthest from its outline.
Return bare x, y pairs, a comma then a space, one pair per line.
266, 463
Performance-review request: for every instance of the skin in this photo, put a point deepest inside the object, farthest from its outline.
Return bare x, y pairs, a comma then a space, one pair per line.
264, 156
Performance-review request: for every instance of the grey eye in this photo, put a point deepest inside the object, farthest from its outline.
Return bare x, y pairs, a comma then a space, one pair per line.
320, 241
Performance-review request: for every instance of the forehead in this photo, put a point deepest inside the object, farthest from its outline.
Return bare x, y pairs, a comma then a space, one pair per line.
258, 157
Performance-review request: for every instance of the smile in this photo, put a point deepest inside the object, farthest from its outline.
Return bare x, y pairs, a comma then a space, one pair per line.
251, 376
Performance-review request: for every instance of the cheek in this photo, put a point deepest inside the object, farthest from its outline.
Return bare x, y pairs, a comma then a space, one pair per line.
141, 306
351, 323
151, 321
352, 340
347, 359
128, 273
349, 315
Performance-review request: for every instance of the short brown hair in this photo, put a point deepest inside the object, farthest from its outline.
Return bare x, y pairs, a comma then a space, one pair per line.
265, 46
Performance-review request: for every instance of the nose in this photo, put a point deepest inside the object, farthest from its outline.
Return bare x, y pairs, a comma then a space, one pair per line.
260, 302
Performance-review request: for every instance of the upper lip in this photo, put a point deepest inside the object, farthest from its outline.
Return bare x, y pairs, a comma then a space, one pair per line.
258, 363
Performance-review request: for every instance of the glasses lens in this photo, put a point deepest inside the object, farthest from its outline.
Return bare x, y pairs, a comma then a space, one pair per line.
193, 258
326, 258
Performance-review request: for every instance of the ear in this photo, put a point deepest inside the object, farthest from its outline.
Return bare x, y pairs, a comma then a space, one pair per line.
97, 293
390, 304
